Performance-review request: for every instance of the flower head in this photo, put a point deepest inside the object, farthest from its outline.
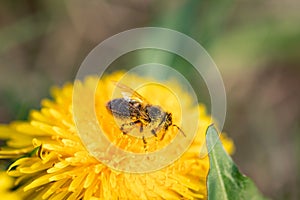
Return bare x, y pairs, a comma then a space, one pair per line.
53, 163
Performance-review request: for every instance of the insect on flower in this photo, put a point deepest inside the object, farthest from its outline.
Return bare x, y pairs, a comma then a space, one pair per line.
135, 111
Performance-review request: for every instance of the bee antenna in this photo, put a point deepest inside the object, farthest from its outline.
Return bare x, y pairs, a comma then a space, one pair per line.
181, 131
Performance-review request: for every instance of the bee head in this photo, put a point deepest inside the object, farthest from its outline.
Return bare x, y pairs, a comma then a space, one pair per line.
169, 122
169, 119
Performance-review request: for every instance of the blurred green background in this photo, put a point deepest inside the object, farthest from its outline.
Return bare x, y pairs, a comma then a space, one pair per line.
255, 44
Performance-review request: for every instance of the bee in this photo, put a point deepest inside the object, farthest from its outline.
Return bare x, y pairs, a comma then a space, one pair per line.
138, 112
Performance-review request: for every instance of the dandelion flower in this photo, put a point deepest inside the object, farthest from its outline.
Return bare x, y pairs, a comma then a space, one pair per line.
51, 161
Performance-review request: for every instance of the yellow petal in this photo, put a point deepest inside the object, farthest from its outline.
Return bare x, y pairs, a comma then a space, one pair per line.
38, 182
54, 187
77, 181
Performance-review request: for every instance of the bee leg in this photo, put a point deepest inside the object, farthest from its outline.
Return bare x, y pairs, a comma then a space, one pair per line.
153, 132
163, 135
145, 143
123, 131
130, 124
166, 128
141, 128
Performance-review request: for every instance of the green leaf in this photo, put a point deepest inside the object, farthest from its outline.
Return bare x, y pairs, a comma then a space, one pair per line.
224, 179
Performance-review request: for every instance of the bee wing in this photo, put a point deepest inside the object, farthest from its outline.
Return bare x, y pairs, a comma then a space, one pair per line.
128, 93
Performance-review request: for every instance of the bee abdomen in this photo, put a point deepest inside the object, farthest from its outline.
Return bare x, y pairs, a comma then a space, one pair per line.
119, 107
